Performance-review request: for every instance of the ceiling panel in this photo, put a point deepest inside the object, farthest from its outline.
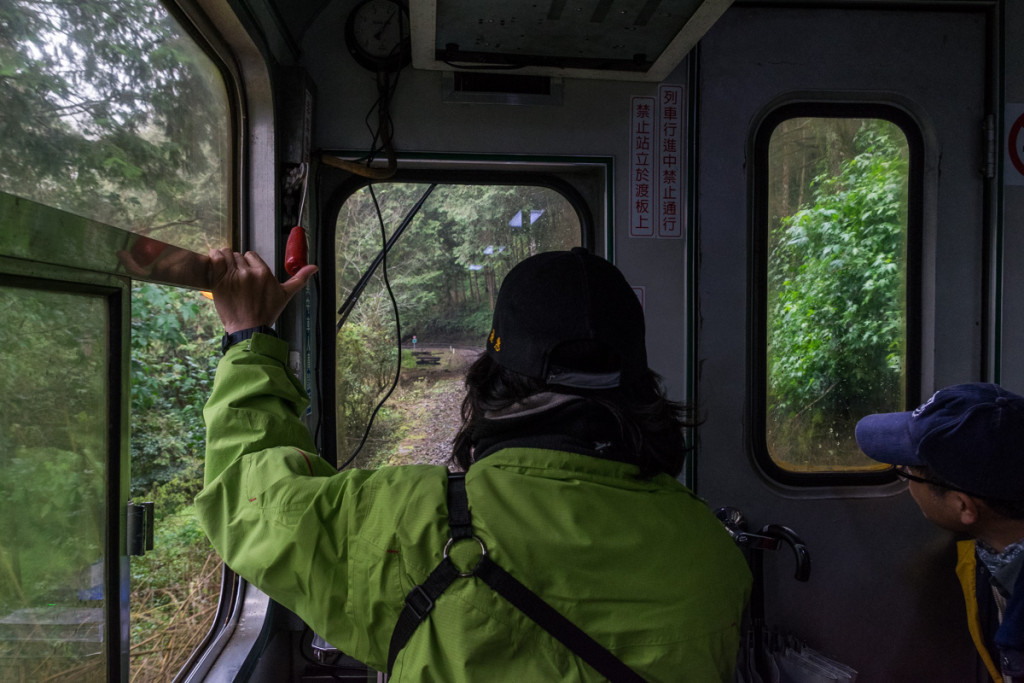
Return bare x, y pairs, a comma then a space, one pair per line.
611, 39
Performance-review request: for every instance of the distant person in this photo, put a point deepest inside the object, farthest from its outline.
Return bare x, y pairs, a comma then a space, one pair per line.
568, 548
963, 455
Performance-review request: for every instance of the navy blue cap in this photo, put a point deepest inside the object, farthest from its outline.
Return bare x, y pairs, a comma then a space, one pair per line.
970, 435
568, 299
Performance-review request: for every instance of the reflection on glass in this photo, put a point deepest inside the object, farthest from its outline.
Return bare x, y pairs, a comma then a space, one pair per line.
53, 446
112, 112
836, 290
444, 271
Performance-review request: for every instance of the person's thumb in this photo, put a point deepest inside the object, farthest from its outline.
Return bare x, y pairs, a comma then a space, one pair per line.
296, 282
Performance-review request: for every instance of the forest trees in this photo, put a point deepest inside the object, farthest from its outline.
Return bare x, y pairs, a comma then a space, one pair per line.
110, 111
836, 286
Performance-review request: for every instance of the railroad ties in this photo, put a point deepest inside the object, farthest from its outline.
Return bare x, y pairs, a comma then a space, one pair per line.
426, 358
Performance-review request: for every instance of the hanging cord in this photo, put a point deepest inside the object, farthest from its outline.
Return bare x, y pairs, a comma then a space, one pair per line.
398, 331
381, 135
304, 169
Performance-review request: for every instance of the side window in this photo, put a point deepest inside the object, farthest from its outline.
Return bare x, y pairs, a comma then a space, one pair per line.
56, 461
112, 112
835, 211
442, 276
117, 142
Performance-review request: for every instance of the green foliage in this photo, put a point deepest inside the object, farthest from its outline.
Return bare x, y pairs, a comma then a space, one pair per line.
52, 499
174, 358
365, 371
174, 594
181, 551
53, 444
110, 111
174, 586
836, 296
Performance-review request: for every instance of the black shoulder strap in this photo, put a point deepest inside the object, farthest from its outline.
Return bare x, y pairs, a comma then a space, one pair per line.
420, 599
552, 621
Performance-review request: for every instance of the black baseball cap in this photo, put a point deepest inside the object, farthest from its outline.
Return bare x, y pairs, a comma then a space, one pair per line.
557, 311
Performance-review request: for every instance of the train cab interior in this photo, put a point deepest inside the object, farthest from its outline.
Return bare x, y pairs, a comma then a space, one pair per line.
818, 203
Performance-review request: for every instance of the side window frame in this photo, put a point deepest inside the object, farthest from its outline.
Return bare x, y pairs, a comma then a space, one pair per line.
758, 184
115, 293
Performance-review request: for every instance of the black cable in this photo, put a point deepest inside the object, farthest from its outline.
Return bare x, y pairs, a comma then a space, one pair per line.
382, 134
353, 296
398, 331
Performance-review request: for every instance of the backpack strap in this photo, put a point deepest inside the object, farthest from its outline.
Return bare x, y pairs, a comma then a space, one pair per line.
420, 600
552, 621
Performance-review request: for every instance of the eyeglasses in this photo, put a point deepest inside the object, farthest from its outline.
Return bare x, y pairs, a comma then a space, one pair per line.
903, 472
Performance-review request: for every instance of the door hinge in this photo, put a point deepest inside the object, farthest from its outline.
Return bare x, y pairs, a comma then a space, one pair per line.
140, 527
990, 146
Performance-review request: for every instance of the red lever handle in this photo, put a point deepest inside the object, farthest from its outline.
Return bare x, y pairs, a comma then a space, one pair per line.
296, 251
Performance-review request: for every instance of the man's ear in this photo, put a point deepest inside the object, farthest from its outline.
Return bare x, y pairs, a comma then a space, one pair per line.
965, 506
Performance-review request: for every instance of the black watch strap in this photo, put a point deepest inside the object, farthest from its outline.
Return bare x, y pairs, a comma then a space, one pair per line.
230, 340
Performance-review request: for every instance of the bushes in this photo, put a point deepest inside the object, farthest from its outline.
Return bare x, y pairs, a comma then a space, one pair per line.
174, 586
836, 304
175, 334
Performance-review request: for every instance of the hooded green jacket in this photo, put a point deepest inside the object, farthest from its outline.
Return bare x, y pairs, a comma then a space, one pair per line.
642, 566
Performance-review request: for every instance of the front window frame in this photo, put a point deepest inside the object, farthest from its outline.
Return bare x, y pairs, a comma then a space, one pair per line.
326, 363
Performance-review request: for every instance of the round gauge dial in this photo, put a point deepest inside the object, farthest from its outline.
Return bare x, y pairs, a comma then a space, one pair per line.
377, 35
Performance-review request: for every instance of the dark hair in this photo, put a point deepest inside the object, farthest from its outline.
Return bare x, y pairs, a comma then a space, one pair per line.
1010, 509
650, 424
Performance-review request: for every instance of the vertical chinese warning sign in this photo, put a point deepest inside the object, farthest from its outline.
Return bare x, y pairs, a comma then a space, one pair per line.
642, 167
657, 129
670, 216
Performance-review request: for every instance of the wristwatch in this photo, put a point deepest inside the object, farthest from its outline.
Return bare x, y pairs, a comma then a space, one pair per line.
230, 340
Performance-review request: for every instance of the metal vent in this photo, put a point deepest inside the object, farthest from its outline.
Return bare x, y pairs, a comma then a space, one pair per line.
612, 39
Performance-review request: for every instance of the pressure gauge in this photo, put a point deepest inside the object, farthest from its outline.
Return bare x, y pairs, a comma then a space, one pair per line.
377, 35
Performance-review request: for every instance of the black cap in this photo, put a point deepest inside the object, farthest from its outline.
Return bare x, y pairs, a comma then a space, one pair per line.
555, 302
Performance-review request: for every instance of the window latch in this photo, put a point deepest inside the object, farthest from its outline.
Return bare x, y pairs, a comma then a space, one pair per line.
140, 528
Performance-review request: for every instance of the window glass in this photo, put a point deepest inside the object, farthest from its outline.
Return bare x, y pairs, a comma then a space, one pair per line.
444, 272
836, 287
108, 110
53, 473
175, 349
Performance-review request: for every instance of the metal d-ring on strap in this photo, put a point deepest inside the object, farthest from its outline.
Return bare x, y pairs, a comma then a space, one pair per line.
483, 554
421, 599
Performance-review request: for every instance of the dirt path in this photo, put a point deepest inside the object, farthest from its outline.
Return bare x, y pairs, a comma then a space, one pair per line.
431, 401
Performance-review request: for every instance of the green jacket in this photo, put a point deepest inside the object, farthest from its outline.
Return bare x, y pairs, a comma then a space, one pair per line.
642, 566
